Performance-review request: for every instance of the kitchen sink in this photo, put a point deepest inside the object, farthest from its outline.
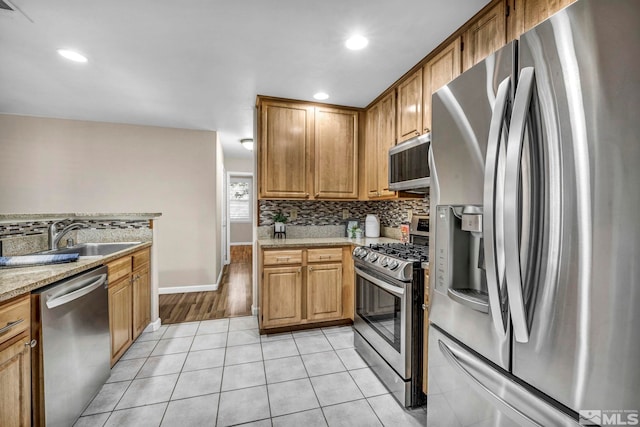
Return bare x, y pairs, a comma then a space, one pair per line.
92, 249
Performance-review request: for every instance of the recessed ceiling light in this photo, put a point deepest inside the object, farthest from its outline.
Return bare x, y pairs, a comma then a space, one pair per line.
321, 96
357, 43
72, 55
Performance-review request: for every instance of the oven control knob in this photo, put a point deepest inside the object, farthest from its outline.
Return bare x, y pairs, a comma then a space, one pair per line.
373, 257
384, 261
393, 264
363, 253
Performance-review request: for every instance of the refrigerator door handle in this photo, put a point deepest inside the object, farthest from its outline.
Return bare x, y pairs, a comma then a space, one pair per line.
489, 217
513, 272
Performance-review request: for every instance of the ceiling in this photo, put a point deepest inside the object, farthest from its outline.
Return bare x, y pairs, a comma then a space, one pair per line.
199, 64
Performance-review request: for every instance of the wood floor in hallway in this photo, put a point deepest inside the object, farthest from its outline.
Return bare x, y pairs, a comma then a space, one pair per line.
233, 298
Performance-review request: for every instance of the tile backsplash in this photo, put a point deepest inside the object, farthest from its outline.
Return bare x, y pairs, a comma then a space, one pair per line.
313, 212
30, 228
25, 237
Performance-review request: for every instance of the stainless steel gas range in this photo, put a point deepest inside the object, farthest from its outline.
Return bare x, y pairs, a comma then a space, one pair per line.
389, 315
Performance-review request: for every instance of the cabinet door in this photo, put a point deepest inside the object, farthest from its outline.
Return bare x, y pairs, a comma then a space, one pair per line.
15, 382
439, 71
284, 150
410, 107
336, 154
120, 313
324, 291
141, 300
281, 296
526, 14
386, 140
484, 36
372, 154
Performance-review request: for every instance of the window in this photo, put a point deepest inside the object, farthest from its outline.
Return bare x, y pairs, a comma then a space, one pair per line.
239, 199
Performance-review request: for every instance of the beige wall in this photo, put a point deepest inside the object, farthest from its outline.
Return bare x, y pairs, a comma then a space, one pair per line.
236, 164
53, 165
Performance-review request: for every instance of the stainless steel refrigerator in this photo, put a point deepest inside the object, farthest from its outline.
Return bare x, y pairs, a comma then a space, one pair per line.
535, 209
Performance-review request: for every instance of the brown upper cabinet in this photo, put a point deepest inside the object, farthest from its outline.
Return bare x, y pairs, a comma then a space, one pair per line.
284, 149
484, 35
526, 14
307, 151
410, 107
437, 72
336, 154
380, 137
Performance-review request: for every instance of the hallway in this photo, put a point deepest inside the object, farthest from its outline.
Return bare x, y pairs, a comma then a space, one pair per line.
232, 299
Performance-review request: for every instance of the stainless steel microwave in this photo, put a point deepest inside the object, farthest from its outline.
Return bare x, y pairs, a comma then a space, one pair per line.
409, 165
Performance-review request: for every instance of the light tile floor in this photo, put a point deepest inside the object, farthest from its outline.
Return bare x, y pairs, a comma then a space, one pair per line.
223, 373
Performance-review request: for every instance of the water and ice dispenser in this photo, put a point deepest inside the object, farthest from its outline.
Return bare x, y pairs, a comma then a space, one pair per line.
459, 258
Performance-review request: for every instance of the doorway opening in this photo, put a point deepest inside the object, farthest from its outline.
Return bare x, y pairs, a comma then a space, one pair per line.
234, 296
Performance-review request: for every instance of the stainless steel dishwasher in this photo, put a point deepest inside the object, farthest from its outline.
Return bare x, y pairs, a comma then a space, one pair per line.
72, 362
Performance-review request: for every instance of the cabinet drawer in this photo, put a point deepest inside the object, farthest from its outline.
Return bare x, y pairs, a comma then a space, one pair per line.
119, 268
141, 258
15, 318
282, 257
324, 255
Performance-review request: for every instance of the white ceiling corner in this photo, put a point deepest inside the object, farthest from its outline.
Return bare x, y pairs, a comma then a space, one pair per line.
199, 64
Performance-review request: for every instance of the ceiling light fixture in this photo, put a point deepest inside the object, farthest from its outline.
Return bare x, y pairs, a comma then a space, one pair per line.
356, 42
72, 55
321, 96
247, 143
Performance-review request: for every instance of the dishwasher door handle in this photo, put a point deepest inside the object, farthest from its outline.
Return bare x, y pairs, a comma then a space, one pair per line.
71, 296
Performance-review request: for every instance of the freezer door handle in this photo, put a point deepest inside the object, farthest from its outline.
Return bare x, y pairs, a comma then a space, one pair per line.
504, 406
78, 293
513, 272
493, 248
509, 397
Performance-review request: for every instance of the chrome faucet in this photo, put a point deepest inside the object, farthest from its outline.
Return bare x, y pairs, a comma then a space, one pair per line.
55, 236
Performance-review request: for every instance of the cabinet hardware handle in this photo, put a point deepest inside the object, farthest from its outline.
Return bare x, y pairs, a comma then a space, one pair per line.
11, 325
31, 343
310, 268
299, 270
306, 194
325, 256
283, 258
417, 133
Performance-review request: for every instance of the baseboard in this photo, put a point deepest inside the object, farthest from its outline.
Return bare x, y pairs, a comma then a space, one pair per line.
241, 244
153, 326
191, 288
254, 310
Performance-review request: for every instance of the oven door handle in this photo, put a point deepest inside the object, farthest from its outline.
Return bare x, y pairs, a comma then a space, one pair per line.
399, 292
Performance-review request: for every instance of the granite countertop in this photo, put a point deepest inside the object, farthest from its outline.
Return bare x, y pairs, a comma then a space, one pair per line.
322, 241
22, 280
78, 215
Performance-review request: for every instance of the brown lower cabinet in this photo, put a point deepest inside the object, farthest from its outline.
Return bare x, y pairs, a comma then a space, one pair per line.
305, 286
15, 362
129, 300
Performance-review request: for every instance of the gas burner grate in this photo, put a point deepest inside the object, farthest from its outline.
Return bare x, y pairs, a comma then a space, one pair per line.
405, 251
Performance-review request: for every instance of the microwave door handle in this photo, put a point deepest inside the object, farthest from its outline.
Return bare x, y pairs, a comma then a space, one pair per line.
491, 246
512, 212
